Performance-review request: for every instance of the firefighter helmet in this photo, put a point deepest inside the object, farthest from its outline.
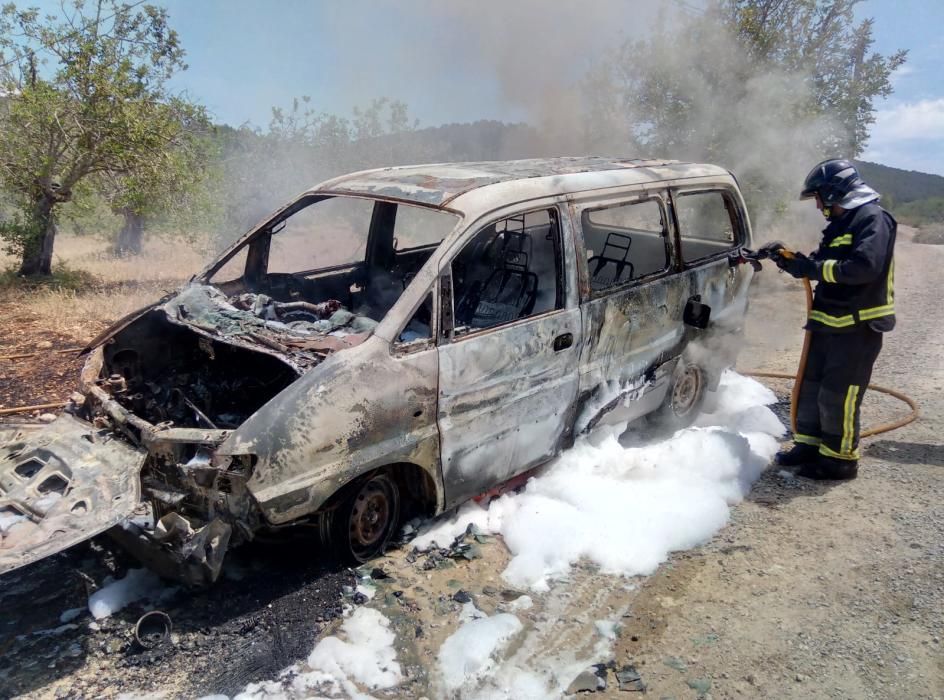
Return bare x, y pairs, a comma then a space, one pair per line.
832, 180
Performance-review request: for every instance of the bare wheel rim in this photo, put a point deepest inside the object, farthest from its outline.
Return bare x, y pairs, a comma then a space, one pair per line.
686, 390
371, 516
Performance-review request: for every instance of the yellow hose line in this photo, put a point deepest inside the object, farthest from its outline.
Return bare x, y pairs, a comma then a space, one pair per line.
801, 368
882, 428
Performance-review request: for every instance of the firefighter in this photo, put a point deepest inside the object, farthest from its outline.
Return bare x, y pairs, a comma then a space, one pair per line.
854, 305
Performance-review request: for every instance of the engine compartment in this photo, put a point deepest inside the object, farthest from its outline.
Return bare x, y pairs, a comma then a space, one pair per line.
167, 373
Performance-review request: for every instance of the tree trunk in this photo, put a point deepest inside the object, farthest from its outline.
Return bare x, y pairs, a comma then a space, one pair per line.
131, 235
37, 253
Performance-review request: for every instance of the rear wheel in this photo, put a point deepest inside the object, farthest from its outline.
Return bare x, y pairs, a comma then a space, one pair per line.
684, 399
366, 518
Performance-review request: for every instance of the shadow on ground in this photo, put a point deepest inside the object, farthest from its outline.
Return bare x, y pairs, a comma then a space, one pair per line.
906, 452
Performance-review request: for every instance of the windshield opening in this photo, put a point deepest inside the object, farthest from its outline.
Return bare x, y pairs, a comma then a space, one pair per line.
332, 265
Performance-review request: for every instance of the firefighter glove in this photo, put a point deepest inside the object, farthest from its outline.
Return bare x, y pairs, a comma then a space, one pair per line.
799, 266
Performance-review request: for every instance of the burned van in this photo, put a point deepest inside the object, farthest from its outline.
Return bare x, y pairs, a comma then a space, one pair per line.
390, 343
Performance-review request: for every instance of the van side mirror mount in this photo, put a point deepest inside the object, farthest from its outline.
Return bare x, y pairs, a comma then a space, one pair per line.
696, 314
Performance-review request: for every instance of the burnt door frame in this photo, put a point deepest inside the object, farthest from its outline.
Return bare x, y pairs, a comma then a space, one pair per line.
507, 394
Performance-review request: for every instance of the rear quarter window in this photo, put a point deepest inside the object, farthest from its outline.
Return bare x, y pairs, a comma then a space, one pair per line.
625, 242
707, 224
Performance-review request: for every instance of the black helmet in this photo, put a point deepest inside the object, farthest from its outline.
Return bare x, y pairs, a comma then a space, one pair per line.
831, 180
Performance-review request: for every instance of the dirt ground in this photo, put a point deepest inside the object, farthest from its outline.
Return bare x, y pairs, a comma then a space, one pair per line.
829, 590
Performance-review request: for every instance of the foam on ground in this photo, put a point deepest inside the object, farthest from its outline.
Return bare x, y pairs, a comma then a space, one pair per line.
626, 507
138, 584
517, 669
359, 659
470, 652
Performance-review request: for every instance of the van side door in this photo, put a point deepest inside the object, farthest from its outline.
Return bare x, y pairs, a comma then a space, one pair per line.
631, 293
509, 346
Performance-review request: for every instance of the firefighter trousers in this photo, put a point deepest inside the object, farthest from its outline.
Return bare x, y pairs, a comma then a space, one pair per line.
838, 370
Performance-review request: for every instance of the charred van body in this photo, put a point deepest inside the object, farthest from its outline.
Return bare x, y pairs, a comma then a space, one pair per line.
393, 341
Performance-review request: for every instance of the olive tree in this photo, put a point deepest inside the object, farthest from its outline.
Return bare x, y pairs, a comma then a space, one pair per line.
165, 184
86, 95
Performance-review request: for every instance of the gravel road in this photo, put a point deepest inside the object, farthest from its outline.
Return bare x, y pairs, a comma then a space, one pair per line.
821, 590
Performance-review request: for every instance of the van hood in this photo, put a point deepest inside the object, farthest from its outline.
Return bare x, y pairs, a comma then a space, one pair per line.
61, 484
300, 333
203, 359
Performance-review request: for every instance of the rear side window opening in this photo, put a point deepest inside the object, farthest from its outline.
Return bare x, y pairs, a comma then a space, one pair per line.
625, 243
707, 222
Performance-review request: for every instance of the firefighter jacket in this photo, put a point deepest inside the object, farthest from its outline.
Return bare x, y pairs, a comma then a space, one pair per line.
856, 266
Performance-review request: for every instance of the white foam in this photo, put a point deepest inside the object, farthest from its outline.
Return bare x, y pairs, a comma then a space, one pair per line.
607, 628
361, 656
469, 653
367, 656
366, 591
523, 602
626, 508
138, 584
70, 614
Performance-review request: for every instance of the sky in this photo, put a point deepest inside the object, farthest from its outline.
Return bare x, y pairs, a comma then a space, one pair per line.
449, 60
909, 127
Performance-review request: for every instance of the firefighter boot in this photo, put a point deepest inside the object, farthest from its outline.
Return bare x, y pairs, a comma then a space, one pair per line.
798, 455
830, 469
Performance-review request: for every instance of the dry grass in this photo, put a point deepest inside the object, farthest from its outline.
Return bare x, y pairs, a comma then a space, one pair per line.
91, 287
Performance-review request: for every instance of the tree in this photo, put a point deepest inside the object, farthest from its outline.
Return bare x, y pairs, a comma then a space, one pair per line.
169, 180
86, 96
764, 87
821, 40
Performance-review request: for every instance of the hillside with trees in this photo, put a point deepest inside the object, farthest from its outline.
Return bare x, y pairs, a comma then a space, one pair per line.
915, 198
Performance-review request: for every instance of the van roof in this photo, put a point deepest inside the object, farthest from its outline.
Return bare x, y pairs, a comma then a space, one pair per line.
439, 184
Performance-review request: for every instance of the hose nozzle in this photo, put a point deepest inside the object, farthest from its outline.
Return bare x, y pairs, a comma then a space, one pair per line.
774, 250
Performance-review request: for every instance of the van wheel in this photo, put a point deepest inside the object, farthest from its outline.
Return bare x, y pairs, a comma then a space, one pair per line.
684, 399
366, 518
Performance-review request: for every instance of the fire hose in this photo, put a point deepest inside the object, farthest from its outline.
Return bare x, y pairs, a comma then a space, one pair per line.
753, 257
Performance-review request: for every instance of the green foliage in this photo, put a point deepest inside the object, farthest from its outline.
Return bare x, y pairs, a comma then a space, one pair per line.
19, 230
765, 87
820, 41
61, 278
168, 188
86, 96
164, 178
921, 212
88, 213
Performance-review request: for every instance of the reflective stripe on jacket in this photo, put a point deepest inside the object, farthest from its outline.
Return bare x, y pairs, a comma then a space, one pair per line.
857, 272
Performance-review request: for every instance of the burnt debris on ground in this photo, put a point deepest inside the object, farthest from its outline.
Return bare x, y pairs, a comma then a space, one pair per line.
264, 615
